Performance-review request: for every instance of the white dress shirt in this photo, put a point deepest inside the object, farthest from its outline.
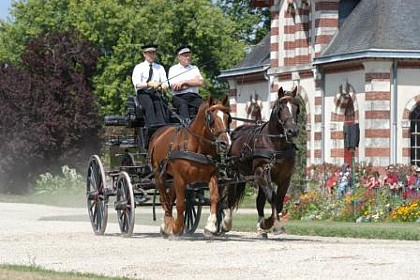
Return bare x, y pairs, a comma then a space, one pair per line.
178, 73
141, 73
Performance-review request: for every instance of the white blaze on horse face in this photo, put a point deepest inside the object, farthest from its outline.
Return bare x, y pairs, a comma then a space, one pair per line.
289, 106
221, 115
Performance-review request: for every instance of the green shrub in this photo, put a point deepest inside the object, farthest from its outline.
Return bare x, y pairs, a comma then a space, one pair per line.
69, 181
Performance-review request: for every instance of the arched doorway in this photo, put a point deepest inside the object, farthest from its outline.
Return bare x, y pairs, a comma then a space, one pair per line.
415, 136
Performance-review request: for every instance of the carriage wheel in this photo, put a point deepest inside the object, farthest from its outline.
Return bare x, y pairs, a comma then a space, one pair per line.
193, 207
125, 204
97, 200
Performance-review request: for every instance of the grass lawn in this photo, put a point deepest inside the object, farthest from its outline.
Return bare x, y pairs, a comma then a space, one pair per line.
22, 272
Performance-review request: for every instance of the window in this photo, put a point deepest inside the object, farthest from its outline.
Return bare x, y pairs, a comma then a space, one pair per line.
415, 135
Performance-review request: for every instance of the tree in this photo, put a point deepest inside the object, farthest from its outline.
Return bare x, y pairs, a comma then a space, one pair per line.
48, 115
252, 23
119, 28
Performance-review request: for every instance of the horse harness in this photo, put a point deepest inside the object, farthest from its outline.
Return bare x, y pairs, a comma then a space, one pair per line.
271, 155
180, 153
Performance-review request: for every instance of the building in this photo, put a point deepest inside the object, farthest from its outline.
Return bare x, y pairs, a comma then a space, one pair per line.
356, 63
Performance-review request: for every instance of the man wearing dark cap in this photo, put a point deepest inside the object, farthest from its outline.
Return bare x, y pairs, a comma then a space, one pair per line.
147, 78
185, 79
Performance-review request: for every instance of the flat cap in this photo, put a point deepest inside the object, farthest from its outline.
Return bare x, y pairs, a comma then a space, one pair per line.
149, 48
183, 49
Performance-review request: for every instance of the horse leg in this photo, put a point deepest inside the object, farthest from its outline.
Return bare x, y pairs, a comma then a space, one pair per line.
282, 186
227, 220
265, 192
180, 207
166, 202
211, 229
260, 203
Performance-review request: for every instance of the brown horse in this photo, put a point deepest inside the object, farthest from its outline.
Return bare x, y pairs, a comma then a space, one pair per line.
187, 154
266, 153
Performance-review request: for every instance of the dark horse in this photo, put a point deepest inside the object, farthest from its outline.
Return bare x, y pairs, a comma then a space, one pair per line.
266, 152
188, 155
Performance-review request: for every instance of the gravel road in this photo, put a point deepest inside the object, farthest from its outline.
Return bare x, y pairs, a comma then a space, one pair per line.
35, 234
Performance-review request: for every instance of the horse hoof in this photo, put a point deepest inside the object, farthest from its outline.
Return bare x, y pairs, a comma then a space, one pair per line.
209, 234
174, 237
262, 235
163, 233
279, 231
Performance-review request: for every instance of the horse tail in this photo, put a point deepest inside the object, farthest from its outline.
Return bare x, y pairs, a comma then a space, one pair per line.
235, 195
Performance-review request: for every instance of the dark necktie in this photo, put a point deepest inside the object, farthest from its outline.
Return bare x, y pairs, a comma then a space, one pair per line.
150, 73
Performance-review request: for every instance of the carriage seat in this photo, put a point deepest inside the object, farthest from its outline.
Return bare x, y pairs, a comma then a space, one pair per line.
135, 112
192, 112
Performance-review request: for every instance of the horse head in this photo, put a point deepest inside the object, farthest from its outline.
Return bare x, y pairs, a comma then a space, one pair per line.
285, 112
214, 117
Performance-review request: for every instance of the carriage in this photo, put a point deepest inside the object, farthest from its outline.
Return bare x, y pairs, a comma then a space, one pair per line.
146, 169
129, 180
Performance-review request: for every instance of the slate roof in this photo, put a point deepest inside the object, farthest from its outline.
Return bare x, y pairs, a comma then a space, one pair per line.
257, 60
377, 28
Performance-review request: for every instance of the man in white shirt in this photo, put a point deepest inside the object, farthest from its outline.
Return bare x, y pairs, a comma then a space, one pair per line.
147, 78
185, 79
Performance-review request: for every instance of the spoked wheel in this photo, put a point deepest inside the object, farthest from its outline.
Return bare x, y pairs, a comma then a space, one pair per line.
125, 205
97, 200
194, 199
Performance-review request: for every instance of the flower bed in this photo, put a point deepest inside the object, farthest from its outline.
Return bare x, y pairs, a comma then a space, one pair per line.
366, 199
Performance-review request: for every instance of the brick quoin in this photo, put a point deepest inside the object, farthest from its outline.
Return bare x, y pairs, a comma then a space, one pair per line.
274, 63
377, 152
306, 74
327, 5
323, 39
317, 153
302, 59
337, 117
274, 31
289, 45
318, 118
377, 76
285, 77
406, 152
304, 26
302, 43
337, 153
326, 22
318, 136
377, 133
338, 135
377, 95
289, 29
377, 115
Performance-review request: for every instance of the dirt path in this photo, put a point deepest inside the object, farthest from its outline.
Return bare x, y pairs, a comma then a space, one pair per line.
29, 236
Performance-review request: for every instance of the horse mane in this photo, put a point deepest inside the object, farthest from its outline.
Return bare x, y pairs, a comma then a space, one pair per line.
207, 104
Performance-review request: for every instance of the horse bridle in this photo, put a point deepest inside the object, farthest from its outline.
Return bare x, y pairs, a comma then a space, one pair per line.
209, 122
